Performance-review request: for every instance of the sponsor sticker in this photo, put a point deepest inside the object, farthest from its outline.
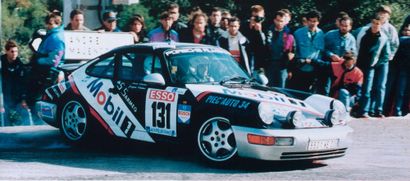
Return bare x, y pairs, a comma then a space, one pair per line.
162, 95
184, 113
47, 110
228, 102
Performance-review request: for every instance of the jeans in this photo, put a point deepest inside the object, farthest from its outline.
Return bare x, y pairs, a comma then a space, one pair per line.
401, 87
346, 98
324, 84
276, 75
378, 76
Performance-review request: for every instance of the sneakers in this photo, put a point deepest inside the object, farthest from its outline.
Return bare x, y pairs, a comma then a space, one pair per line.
378, 115
365, 115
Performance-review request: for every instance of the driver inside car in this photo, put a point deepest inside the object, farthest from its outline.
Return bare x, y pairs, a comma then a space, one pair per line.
185, 72
202, 73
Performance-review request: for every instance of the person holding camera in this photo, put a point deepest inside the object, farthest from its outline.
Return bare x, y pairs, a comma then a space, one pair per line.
253, 31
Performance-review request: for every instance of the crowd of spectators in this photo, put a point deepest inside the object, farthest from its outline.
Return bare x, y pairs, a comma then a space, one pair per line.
368, 69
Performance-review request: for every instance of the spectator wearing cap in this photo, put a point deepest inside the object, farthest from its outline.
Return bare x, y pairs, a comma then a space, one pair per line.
164, 32
109, 22
76, 21
384, 12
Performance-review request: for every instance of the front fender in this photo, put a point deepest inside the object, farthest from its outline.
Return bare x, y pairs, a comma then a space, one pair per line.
239, 111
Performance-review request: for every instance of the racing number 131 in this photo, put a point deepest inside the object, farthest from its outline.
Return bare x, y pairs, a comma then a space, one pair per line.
161, 118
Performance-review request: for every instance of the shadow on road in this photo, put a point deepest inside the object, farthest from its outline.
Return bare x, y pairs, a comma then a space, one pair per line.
46, 146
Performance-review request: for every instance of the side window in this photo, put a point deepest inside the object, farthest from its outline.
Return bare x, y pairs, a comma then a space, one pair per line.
157, 65
132, 66
104, 68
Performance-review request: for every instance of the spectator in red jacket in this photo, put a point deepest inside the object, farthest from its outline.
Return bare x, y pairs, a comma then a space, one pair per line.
347, 79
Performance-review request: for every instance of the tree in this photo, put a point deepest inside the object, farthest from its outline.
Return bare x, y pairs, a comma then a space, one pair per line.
126, 12
21, 18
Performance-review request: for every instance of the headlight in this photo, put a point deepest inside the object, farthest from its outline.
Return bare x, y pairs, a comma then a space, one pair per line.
339, 107
295, 119
266, 112
332, 117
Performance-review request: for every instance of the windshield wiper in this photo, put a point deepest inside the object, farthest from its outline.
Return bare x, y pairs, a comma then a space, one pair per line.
234, 79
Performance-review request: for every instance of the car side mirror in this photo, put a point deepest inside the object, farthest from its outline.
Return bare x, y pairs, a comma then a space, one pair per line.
36, 39
155, 78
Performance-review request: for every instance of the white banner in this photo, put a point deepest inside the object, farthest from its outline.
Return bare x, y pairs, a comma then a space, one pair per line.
85, 45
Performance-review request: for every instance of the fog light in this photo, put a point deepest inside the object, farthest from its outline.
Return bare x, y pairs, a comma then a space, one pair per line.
284, 141
332, 117
295, 119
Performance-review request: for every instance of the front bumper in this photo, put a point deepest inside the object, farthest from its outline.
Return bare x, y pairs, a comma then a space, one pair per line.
47, 112
300, 148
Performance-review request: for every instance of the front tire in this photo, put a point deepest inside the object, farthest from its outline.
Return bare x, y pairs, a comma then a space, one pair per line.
216, 141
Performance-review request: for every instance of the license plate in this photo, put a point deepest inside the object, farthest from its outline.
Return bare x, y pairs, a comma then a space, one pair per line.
322, 144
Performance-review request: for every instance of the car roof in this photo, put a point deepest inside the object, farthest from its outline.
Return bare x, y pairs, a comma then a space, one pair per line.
164, 46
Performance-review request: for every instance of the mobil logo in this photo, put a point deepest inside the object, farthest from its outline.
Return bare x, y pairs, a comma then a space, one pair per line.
162, 95
250, 94
116, 114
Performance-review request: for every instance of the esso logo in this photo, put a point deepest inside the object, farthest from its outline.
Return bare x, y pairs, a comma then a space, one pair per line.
162, 95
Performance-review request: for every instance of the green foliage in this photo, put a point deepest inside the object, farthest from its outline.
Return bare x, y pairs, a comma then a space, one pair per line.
20, 18
126, 12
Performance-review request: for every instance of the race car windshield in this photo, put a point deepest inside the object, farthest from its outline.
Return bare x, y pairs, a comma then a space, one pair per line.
203, 67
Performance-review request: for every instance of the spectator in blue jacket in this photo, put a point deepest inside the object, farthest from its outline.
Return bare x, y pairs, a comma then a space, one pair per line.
48, 56
51, 49
337, 43
309, 45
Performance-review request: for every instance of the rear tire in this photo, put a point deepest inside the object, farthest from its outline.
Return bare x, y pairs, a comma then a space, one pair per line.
74, 122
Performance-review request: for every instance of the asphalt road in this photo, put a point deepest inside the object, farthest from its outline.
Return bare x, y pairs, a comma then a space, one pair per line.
380, 151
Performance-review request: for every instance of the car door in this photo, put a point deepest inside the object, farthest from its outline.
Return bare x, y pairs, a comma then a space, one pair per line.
153, 104
97, 84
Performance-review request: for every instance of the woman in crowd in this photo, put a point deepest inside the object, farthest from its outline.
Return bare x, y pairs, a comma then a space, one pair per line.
136, 26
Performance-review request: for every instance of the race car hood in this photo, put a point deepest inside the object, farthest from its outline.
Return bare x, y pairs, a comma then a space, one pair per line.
283, 104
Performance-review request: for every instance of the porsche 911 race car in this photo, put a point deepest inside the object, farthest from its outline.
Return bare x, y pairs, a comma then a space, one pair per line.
191, 93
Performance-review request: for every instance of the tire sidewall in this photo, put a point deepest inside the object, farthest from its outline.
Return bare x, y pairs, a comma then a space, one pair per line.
197, 143
85, 136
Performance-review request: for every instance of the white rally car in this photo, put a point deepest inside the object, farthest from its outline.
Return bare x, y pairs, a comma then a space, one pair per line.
190, 93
